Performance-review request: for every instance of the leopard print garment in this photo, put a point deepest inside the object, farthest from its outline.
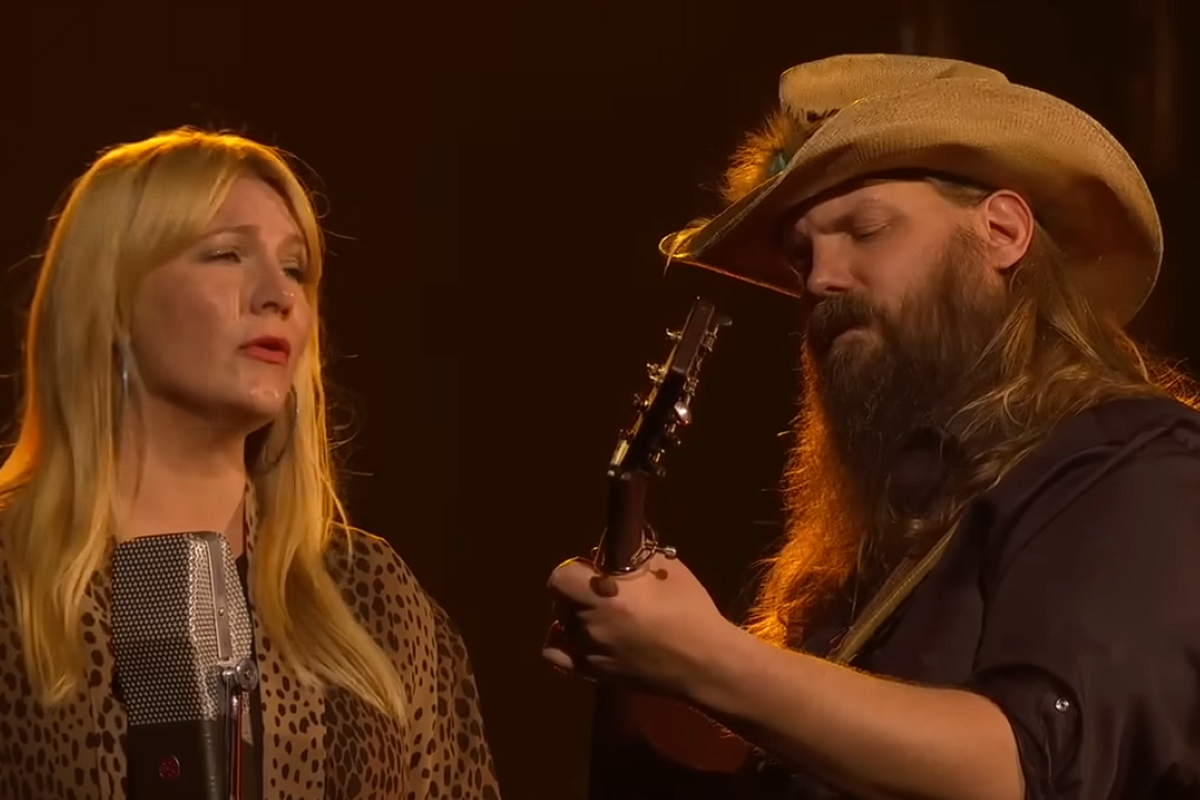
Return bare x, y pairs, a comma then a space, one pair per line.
317, 745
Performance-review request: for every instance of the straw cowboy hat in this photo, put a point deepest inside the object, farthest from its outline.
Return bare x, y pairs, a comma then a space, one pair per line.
853, 116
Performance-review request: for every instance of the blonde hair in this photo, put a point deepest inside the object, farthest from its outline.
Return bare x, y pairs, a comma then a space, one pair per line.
139, 205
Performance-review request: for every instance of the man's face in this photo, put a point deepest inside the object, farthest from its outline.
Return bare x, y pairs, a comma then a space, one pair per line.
903, 301
876, 251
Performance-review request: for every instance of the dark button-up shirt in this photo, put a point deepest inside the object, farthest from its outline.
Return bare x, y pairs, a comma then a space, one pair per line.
1070, 596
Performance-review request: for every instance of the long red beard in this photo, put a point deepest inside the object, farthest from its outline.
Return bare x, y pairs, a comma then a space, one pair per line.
861, 398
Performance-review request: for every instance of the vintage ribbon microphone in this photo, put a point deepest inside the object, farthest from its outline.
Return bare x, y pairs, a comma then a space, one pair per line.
618, 734
182, 639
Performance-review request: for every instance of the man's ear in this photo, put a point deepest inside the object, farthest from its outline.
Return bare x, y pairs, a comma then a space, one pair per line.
1008, 225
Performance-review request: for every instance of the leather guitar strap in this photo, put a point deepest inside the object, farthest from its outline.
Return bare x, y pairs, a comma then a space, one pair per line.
899, 585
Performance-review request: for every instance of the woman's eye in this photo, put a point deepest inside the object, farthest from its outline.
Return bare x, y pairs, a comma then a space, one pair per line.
223, 255
296, 271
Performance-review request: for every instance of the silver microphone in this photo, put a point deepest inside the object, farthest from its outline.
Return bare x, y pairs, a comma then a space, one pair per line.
182, 641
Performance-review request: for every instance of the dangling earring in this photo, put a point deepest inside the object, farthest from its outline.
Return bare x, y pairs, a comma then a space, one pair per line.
294, 414
123, 359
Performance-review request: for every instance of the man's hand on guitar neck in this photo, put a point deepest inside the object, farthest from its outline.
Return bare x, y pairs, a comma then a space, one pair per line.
659, 628
653, 627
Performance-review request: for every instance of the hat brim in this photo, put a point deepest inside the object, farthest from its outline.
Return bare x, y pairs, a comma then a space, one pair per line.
1084, 188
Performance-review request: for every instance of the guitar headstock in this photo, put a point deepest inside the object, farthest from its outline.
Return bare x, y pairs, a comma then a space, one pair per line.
665, 410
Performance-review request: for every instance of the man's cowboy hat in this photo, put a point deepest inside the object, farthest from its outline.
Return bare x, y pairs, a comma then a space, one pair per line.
853, 116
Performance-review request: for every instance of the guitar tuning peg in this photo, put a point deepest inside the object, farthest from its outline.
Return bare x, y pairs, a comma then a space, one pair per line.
683, 414
711, 338
655, 371
674, 336
641, 402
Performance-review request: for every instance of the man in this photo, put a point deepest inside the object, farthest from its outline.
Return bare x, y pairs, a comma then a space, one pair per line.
989, 584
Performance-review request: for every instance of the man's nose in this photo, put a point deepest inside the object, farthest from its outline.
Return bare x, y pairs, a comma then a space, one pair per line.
830, 272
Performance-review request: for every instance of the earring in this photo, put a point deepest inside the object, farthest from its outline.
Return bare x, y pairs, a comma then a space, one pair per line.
294, 402
123, 359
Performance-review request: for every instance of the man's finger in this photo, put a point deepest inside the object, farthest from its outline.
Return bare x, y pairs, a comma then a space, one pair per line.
603, 585
570, 581
558, 659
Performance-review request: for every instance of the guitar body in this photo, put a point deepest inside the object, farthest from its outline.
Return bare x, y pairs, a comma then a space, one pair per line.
644, 745
672, 749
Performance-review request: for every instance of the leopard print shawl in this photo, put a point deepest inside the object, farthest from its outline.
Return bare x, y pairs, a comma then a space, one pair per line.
317, 745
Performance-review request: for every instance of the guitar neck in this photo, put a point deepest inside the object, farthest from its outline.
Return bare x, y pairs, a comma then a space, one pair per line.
626, 520
624, 729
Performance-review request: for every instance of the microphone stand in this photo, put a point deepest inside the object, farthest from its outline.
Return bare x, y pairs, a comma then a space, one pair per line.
237, 680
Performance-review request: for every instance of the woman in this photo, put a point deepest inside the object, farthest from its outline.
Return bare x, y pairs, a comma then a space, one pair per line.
173, 383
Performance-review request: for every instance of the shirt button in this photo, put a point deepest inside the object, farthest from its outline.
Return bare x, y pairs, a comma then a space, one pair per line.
1062, 705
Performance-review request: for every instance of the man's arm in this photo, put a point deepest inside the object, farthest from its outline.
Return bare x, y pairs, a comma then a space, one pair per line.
878, 738
872, 736
1086, 683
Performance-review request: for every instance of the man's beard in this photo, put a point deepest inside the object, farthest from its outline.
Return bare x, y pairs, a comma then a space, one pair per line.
892, 376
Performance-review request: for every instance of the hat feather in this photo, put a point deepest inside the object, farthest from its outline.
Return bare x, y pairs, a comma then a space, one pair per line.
767, 150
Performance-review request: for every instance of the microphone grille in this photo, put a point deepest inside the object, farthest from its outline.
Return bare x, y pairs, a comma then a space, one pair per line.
179, 618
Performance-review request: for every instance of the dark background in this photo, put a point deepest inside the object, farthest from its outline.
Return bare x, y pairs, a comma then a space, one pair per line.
496, 176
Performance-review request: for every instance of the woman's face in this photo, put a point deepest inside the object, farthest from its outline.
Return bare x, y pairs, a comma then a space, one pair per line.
219, 330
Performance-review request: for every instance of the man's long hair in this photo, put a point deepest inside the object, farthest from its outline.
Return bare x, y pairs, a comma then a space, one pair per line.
138, 206
1052, 357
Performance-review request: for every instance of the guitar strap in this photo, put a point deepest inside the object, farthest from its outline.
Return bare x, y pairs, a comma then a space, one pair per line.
911, 572
899, 585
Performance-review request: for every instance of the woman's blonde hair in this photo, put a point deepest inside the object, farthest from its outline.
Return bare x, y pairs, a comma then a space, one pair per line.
138, 206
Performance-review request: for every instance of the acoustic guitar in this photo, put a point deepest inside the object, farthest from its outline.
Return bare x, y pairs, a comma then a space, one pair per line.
644, 745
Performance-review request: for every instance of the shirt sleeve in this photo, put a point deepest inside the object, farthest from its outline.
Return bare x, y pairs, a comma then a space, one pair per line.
465, 754
445, 753
1091, 639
